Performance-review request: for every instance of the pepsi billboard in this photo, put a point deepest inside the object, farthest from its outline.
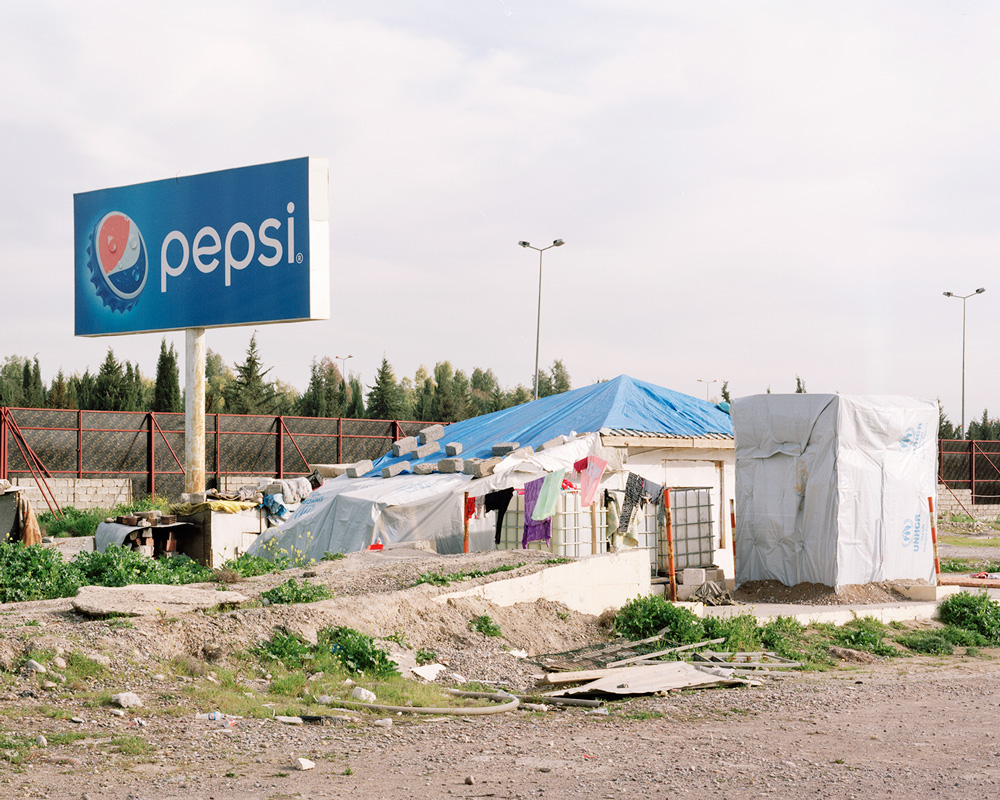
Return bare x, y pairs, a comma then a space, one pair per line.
237, 247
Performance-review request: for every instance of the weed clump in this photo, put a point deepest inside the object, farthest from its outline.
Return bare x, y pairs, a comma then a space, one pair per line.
485, 625
251, 566
291, 591
973, 612
646, 616
357, 651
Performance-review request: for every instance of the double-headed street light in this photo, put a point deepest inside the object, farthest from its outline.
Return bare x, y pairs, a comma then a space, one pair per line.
963, 298
343, 366
538, 326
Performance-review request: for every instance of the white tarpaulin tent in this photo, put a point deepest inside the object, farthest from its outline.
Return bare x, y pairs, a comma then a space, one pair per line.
833, 489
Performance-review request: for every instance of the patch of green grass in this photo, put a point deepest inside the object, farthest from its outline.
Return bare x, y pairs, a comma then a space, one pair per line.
328, 556
131, 745
398, 637
931, 643
291, 591
290, 685
557, 560
966, 541
867, 634
955, 565
742, 634
437, 579
285, 648
357, 651
485, 625
426, 657
641, 716
251, 566
79, 666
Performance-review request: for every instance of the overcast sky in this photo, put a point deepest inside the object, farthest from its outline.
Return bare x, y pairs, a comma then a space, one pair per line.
748, 192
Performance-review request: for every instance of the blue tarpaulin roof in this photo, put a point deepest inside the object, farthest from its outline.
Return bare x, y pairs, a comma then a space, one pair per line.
620, 403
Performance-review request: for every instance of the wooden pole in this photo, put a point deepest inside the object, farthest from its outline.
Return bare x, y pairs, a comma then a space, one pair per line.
732, 525
465, 517
937, 561
670, 546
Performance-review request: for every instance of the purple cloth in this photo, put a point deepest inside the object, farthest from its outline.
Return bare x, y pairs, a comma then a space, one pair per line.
534, 531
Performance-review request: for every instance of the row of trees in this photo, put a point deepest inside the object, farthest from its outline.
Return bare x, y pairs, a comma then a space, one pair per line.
442, 395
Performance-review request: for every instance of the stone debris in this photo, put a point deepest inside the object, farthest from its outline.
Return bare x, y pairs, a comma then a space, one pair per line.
289, 720
41, 741
424, 469
395, 469
450, 465
404, 446
431, 434
559, 440
34, 666
362, 694
126, 700
304, 764
383, 723
360, 468
138, 600
482, 468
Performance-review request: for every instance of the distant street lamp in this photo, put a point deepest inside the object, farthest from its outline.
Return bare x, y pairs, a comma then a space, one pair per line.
538, 326
963, 298
343, 366
708, 385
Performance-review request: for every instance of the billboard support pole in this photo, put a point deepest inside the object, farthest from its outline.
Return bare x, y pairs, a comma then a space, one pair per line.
194, 410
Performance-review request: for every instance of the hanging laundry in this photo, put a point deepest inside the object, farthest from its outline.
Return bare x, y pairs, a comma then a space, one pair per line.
590, 478
470, 508
652, 491
548, 497
480, 502
633, 492
498, 501
534, 531
581, 465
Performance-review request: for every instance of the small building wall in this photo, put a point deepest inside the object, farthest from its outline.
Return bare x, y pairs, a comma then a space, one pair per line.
959, 501
79, 492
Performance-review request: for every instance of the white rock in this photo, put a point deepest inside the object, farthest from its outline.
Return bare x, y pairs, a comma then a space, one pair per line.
362, 694
324, 699
118, 712
34, 666
290, 720
304, 763
383, 723
59, 662
41, 741
126, 700
428, 672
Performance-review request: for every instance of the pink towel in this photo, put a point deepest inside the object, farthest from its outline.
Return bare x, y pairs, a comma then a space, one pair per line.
590, 478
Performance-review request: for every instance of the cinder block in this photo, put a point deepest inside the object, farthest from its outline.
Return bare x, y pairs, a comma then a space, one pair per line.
685, 591
450, 465
359, 468
504, 448
423, 469
425, 450
559, 440
484, 468
404, 446
692, 576
524, 452
469, 464
453, 449
431, 434
715, 575
394, 469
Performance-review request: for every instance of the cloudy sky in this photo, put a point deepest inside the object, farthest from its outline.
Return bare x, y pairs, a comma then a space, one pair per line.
748, 192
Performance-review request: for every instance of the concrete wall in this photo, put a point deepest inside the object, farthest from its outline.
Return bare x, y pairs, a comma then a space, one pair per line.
79, 492
959, 501
589, 585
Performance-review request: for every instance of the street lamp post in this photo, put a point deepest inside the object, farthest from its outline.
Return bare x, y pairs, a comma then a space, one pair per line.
963, 298
708, 385
343, 366
538, 325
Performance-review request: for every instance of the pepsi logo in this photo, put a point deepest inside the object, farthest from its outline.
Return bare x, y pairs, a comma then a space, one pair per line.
119, 262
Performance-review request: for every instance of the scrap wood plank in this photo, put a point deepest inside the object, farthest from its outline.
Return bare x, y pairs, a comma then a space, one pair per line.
650, 679
746, 660
658, 653
594, 656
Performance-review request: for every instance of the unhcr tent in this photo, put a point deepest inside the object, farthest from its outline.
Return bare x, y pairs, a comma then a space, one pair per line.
833, 489
346, 514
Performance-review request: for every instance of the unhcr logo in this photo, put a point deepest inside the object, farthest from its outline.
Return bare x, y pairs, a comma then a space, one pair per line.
914, 536
913, 438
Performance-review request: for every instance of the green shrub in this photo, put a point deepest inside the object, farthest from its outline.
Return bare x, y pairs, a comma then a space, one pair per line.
646, 616
72, 522
931, 643
954, 565
286, 648
742, 633
357, 651
33, 573
485, 625
437, 579
291, 591
973, 612
866, 634
119, 566
251, 566
962, 637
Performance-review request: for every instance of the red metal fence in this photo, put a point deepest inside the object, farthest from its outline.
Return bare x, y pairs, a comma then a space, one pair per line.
149, 446
971, 464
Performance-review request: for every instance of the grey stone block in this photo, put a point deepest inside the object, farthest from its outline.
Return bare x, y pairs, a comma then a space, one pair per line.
359, 468
404, 446
449, 465
552, 443
394, 469
453, 449
470, 463
484, 468
425, 450
504, 448
431, 434
423, 469
526, 452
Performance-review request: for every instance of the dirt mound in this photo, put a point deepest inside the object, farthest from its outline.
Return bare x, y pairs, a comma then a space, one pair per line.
816, 594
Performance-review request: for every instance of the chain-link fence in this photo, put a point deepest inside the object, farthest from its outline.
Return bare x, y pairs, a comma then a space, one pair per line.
971, 464
148, 447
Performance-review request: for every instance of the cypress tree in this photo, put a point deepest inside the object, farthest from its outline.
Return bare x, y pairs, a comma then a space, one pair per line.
167, 389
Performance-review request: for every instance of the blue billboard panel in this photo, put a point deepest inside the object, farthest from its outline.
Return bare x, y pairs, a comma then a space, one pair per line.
238, 247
